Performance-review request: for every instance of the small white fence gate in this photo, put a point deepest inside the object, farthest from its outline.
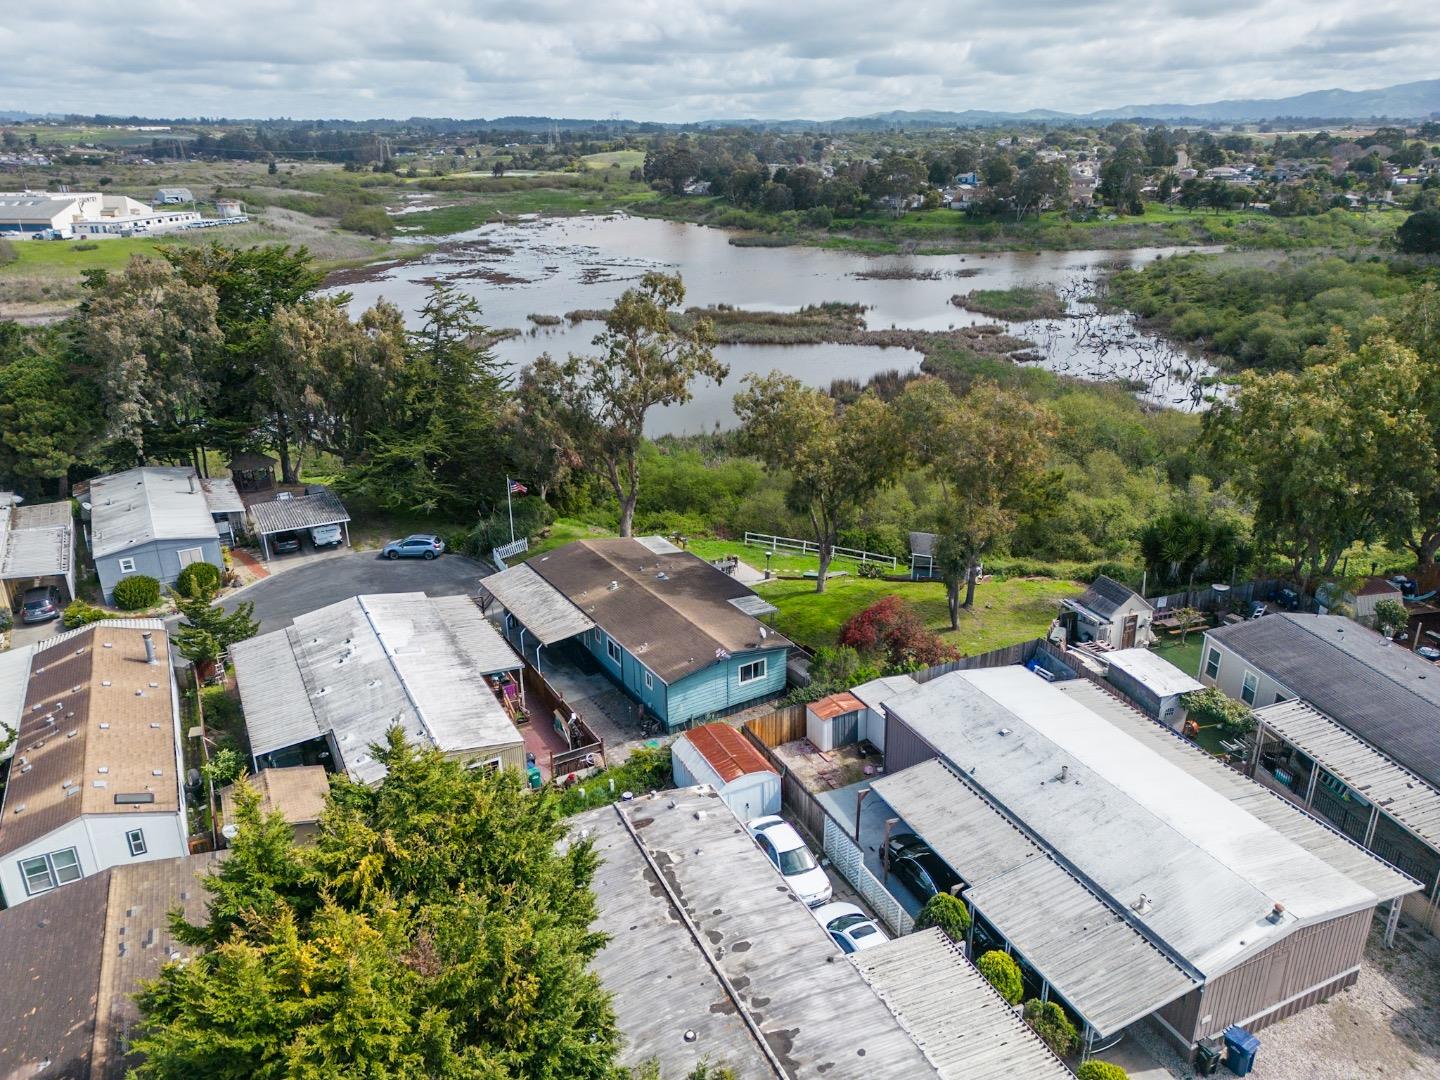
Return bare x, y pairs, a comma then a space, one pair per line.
846, 857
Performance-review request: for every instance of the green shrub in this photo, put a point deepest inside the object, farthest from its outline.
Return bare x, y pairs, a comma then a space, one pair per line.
78, 613
367, 220
1211, 706
647, 769
137, 593
948, 913
5, 621
1101, 1070
222, 712
224, 767
198, 581
1051, 1024
1004, 974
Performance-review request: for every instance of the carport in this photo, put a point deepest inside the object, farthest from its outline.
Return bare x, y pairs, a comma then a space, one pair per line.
298, 513
36, 548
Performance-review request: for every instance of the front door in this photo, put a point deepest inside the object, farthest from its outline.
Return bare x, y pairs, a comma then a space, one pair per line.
1127, 631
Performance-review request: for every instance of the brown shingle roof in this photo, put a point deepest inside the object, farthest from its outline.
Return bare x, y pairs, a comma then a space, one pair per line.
97, 722
75, 957
297, 793
672, 611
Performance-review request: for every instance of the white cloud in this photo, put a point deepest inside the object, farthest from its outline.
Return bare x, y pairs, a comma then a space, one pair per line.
692, 59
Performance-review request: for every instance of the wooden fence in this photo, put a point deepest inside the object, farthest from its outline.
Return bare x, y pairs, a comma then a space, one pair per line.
1205, 598
1021, 653
782, 726
793, 794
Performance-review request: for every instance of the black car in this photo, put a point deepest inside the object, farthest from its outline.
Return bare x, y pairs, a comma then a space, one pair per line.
922, 871
40, 604
285, 543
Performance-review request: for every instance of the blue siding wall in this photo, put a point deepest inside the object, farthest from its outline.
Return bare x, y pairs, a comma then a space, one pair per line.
159, 559
629, 672
718, 686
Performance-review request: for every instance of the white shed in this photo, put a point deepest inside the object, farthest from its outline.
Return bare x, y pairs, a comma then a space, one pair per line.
718, 755
1152, 682
837, 720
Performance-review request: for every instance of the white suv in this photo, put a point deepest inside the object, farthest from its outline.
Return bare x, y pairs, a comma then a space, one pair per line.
784, 848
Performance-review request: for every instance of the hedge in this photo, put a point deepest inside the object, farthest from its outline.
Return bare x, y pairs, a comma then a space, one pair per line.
1051, 1024
137, 593
1004, 974
198, 580
78, 613
948, 913
1101, 1070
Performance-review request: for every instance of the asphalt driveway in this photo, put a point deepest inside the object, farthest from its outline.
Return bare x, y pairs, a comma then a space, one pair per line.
279, 599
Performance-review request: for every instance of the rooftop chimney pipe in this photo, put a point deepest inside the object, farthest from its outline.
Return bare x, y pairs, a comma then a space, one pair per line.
149, 647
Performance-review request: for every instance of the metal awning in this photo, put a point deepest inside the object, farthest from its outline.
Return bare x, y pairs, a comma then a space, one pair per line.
321, 507
754, 606
541, 608
1376, 777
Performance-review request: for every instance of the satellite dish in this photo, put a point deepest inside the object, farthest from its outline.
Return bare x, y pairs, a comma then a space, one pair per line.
1221, 588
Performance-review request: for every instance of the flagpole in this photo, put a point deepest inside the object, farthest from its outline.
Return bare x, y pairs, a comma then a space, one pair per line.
510, 509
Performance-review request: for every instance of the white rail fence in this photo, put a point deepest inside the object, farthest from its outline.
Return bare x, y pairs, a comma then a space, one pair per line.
850, 861
809, 547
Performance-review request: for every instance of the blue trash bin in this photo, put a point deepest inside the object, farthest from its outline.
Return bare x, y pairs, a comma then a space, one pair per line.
1240, 1050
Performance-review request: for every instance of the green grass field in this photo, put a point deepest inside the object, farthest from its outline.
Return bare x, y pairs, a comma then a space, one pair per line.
66, 257
626, 159
480, 209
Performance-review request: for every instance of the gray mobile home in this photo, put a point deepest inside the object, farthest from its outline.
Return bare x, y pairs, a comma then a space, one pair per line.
153, 521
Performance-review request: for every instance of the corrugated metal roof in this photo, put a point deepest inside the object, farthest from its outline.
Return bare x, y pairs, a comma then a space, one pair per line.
1275, 810
1097, 961
658, 544
141, 505
476, 635
815, 1011
960, 1022
14, 681
828, 708
671, 611
1152, 671
543, 609
357, 668
1384, 693
302, 512
35, 541
727, 751
1128, 821
1380, 779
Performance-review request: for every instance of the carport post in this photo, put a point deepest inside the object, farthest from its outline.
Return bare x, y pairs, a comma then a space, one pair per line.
884, 844
859, 801
1370, 828
1392, 920
265, 545
1089, 1043
345, 525
1310, 787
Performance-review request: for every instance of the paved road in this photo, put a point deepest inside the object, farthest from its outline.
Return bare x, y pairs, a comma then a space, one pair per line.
279, 599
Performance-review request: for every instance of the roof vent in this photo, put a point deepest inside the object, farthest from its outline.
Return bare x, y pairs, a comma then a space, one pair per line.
104, 725
105, 682
614, 585
1064, 773
1004, 731
1143, 906
99, 783
157, 772
26, 768
71, 733
139, 693
1276, 913
71, 791
109, 644
20, 808
154, 724
102, 769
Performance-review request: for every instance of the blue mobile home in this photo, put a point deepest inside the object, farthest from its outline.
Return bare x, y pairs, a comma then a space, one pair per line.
679, 636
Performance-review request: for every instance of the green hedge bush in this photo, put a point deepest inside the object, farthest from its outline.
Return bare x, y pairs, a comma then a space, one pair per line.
198, 580
1101, 1070
1004, 974
137, 593
948, 913
1051, 1024
78, 613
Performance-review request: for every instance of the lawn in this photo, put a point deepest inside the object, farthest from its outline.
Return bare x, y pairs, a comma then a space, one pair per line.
1005, 612
626, 159
1186, 657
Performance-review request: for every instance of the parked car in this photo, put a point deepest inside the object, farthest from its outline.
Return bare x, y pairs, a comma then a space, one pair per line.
285, 543
782, 845
921, 871
326, 536
40, 604
849, 927
419, 546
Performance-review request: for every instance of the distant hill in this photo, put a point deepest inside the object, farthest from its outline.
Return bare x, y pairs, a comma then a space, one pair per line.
1410, 101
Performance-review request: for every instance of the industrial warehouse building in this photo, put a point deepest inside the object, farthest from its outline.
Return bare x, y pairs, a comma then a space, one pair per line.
710, 958
62, 215
326, 688
1132, 875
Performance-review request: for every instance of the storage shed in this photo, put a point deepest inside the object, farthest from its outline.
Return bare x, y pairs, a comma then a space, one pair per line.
718, 755
837, 720
1152, 682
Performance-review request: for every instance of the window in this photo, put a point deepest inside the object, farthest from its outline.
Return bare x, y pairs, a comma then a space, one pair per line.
190, 555
136, 839
489, 765
45, 872
649, 681
1212, 663
127, 566
1248, 686
612, 650
752, 671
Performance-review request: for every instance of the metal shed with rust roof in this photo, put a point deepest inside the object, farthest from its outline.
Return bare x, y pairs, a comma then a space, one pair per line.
719, 755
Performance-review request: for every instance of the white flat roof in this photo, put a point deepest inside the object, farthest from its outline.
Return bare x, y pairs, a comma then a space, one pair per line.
1128, 819
1153, 672
152, 503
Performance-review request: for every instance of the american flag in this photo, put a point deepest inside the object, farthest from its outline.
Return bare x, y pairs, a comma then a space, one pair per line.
517, 488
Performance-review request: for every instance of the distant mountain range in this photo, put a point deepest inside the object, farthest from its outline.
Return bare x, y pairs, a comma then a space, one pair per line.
1406, 101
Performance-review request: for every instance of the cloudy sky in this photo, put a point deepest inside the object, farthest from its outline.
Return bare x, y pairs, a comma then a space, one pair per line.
692, 59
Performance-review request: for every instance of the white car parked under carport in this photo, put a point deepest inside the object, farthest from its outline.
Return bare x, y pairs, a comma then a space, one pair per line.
849, 927
782, 845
